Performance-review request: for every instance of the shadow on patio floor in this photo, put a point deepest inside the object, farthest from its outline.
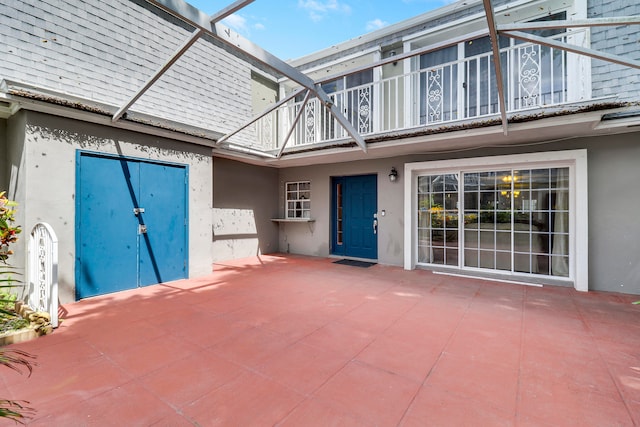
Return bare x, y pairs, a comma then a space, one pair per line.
291, 341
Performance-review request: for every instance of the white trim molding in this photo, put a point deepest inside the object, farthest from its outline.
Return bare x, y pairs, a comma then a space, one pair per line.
575, 160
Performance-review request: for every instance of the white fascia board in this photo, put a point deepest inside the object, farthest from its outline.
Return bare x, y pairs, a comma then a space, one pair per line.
617, 124
249, 150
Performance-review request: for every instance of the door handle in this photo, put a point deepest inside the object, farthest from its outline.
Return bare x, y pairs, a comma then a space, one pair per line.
375, 226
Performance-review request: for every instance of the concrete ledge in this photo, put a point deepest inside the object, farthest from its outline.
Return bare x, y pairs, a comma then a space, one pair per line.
21, 335
39, 324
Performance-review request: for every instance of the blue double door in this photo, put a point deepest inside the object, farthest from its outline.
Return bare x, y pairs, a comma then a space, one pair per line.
354, 224
131, 223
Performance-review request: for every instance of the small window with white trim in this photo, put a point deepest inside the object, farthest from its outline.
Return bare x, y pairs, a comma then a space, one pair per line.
298, 204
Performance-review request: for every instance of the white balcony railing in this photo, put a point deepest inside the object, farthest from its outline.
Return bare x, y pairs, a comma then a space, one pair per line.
534, 76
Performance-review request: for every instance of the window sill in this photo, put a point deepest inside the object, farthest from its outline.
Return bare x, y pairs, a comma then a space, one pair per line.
293, 220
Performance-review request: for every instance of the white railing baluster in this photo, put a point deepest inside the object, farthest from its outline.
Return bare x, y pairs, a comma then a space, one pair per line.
489, 103
425, 97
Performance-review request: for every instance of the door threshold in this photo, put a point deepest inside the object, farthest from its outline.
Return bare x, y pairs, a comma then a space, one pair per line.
492, 279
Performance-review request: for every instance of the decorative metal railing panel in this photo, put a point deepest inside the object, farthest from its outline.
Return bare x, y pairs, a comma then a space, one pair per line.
435, 94
43, 271
534, 76
267, 131
310, 123
364, 109
529, 79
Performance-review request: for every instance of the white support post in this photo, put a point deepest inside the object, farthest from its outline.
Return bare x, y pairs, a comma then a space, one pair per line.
411, 92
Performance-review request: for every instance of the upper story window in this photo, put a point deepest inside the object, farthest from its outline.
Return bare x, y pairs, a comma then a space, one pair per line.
348, 82
547, 63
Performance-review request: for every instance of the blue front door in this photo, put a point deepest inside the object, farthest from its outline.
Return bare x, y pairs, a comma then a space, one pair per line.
354, 206
131, 224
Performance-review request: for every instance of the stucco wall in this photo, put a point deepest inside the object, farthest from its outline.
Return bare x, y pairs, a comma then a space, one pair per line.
313, 238
15, 184
245, 199
45, 177
614, 229
614, 209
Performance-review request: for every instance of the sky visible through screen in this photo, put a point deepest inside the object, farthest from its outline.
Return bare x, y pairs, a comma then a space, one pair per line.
290, 29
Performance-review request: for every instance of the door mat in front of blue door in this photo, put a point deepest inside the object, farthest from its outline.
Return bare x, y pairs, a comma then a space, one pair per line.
354, 263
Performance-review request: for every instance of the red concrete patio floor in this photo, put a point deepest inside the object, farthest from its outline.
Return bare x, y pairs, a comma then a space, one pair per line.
295, 341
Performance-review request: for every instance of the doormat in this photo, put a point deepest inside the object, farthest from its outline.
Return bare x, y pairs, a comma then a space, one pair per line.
354, 263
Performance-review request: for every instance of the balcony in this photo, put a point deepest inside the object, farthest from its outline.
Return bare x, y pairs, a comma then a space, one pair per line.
534, 76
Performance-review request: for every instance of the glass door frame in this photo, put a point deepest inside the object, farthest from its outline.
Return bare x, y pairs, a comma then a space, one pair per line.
575, 160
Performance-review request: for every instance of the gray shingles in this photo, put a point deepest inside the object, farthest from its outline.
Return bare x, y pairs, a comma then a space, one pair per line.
106, 50
620, 40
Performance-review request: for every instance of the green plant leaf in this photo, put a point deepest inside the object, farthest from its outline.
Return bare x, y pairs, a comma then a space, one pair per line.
17, 360
16, 410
